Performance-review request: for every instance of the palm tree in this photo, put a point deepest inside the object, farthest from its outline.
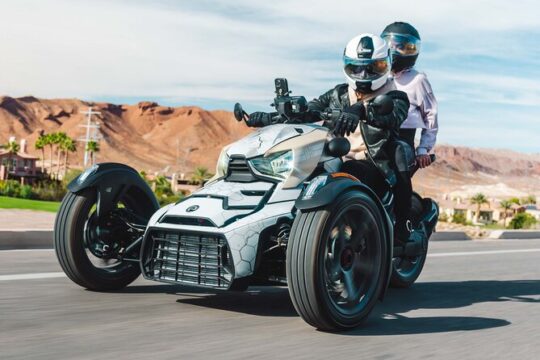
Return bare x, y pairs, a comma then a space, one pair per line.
12, 148
68, 145
200, 175
50, 140
40, 145
59, 139
93, 147
478, 199
505, 206
529, 200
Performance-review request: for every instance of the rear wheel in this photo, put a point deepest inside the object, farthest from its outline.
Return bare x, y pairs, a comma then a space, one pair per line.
90, 249
337, 262
406, 269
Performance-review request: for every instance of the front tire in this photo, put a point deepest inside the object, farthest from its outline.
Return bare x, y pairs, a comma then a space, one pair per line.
71, 244
337, 261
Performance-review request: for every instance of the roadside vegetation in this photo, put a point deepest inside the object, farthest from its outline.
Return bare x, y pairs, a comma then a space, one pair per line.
54, 152
512, 213
38, 205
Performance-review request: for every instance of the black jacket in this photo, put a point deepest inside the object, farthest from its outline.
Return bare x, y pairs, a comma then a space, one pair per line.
376, 131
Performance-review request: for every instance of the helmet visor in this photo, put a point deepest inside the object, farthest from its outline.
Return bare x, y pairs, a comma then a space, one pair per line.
366, 69
405, 45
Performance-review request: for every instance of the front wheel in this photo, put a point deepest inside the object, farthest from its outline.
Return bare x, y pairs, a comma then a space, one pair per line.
337, 261
88, 249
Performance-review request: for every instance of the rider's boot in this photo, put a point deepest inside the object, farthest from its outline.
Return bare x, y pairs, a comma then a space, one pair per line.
409, 240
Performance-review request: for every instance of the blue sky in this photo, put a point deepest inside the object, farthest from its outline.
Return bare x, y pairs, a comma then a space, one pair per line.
482, 57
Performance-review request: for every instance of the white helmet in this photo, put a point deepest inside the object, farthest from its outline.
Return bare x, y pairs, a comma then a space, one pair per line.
367, 62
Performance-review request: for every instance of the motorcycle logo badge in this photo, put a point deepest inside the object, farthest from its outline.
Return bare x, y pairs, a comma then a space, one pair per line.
192, 208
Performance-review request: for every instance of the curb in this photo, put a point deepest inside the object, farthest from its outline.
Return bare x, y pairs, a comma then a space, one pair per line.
26, 239
514, 234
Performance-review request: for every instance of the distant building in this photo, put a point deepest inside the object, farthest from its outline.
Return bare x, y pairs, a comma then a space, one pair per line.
22, 166
533, 210
489, 213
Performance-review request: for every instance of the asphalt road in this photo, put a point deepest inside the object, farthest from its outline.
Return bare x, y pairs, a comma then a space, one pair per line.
474, 300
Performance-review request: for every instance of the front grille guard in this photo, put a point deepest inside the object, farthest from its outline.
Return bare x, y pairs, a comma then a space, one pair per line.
179, 257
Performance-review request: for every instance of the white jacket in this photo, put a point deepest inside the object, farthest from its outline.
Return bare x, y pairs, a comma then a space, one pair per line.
423, 108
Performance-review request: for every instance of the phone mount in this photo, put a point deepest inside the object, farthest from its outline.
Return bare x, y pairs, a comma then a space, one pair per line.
286, 105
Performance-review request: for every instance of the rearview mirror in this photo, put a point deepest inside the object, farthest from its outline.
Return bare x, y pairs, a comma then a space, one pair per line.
239, 113
338, 147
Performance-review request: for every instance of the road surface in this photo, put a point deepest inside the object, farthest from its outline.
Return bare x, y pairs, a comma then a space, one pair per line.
474, 300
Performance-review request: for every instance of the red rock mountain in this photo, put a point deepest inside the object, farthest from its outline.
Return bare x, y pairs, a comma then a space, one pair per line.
152, 137
146, 135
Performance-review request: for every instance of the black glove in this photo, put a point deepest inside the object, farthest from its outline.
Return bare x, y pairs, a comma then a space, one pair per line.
349, 119
259, 119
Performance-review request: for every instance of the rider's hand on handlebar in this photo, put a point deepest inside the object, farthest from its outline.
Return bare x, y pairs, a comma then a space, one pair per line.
259, 119
349, 119
423, 160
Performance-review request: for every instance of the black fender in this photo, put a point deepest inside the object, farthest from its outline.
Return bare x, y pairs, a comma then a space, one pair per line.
111, 181
338, 185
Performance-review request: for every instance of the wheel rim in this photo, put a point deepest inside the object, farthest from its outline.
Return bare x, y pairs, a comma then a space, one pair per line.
407, 265
104, 241
352, 259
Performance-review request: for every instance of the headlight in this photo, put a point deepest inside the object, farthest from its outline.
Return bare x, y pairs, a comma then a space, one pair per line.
277, 165
222, 164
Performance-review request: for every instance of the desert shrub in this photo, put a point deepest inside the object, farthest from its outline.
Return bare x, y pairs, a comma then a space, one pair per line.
26, 192
443, 217
49, 191
70, 176
459, 218
522, 221
10, 188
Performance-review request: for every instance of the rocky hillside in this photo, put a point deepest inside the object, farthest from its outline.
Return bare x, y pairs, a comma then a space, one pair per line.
146, 135
153, 137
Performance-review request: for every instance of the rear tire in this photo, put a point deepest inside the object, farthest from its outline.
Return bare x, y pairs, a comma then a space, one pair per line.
69, 244
337, 262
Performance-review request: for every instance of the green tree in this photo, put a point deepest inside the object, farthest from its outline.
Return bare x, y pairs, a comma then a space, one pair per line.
92, 147
59, 139
529, 200
522, 221
68, 145
40, 145
505, 206
200, 175
12, 149
49, 140
515, 200
478, 200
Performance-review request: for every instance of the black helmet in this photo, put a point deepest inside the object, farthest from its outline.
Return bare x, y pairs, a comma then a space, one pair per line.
404, 40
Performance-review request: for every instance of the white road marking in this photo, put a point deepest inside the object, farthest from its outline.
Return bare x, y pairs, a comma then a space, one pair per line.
487, 252
23, 250
33, 276
51, 275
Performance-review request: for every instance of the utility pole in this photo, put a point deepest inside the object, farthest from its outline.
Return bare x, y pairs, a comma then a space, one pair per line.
92, 133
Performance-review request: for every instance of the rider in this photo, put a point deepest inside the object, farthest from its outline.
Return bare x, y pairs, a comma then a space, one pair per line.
404, 41
375, 146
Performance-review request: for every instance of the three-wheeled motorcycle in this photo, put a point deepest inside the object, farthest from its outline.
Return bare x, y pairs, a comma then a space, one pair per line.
277, 212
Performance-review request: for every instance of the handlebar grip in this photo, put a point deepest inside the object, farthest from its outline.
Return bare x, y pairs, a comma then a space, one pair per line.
432, 157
